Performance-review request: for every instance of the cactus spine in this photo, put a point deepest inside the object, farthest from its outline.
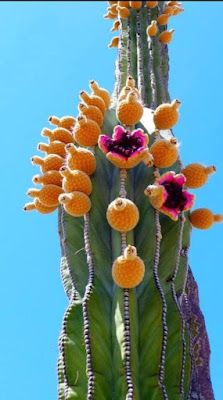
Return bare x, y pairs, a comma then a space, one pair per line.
150, 341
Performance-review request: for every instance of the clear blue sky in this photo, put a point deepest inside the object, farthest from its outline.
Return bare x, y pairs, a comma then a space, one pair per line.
48, 52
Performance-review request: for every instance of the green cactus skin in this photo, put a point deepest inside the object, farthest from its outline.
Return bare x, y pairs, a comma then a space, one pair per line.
126, 344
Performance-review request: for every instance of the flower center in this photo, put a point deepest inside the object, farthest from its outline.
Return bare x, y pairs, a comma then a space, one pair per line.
126, 145
176, 198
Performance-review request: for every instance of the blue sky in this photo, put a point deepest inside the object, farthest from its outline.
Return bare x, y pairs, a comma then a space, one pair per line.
48, 53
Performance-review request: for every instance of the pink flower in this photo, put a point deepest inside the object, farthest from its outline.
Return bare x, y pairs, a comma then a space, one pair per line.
168, 196
124, 149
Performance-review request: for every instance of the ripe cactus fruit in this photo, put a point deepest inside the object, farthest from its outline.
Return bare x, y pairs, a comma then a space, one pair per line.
66, 122
164, 152
123, 3
152, 29
76, 204
93, 100
91, 112
128, 270
86, 131
123, 12
203, 218
130, 110
38, 206
53, 177
152, 4
177, 10
103, 93
79, 158
47, 195
55, 147
166, 115
116, 26
163, 19
61, 134
75, 181
135, 4
197, 174
168, 10
52, 162
166, 37
114, 42
122, 215
110, 15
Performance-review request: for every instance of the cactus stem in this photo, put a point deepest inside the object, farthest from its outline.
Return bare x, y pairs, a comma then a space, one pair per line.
164, 305
88, 291
153, 103
129, 63
140, 57
173, 289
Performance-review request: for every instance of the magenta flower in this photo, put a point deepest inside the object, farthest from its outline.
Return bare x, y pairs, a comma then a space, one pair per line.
124, 149
168, 196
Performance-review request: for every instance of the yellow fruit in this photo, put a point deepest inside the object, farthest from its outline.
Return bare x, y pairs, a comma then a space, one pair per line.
203, 218
123, 3
163, 19
61, 134
93, 101
177, 10
76, 204
38, 206
52, 162
152, 29
98, 91
114, 42
166, 36
47, 195
109, 15
168, 10
53, 177
55, 147
75, 181
197, 174
116, 26
66, 122
124, 92
123, 12
79, 158
166, 115
122, 215
92, 112
130, 110
152, 4
128, 270
136, 4
164, 152
86, 131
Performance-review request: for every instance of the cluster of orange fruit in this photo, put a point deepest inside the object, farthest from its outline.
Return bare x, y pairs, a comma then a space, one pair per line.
66, 168
121, 10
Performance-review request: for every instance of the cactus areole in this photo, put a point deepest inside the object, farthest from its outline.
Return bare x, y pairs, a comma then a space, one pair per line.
133, 329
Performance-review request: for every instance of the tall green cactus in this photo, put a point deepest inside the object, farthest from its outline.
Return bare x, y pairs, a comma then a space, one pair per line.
127, 344
147, 342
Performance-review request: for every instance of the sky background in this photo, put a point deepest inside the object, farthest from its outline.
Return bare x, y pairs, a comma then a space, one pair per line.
48, 53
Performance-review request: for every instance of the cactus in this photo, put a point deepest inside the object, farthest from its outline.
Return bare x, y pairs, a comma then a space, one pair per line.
133, 328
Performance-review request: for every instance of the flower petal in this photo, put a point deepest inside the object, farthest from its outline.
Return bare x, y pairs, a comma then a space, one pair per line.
119, 132
180, 179
190, 200
103, 142
167, 177
172, 213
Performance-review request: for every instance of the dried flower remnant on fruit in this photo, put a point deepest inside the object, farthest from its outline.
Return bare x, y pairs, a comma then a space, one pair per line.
124, 149
122, 215
86, 131
197, 174
114, 42
91, 112
203, 218
93, 100
75, 181
166, 115
76, 203
123, 12
128, 270
80, 158
168, 195
129, 111
101, 92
